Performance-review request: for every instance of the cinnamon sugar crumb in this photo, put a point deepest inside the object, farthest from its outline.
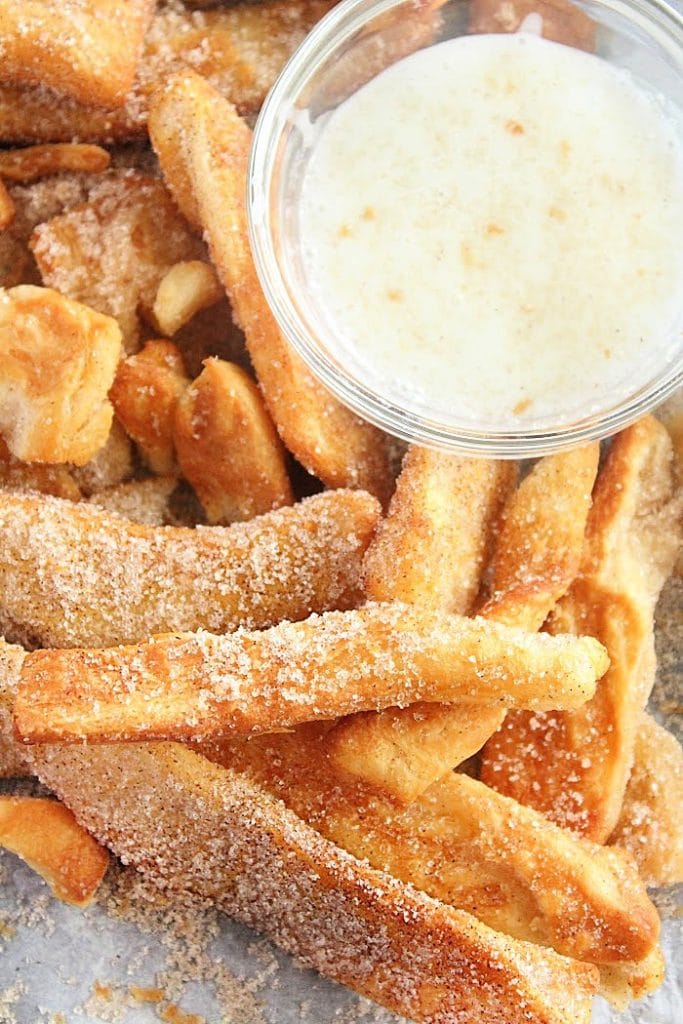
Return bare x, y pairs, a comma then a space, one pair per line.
146, 995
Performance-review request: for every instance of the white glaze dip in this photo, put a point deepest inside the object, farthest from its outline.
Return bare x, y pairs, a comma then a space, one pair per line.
494, 225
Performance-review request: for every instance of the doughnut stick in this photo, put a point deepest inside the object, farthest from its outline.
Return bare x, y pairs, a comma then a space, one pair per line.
468, 846
401, 752
240, 48
540, 545
45, 834
650, 825
203, 147
87, 50
196, 827
574, 767
73, 575
183, 686
431, 548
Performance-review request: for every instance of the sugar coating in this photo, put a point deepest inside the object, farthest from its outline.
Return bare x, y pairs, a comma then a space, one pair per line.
72, 574
196, 828
574, 766
240, 48
112, 251
86, 48
194, 685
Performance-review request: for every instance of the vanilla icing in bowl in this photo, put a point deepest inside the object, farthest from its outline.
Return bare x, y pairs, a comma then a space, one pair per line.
493, 225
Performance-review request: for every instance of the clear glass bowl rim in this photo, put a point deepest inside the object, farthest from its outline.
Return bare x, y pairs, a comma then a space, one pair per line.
656, 17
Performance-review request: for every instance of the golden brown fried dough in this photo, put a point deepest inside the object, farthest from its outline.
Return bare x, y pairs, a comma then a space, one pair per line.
401, 752
227, 446
195, 827
71, 575
650, 825
112, 251
86, 48
203, 146
540, 544
57, 362
560, 20
46, 835
574, 766
184, 290
33, 162
467, 846
240, 48
431, 548
144, 394
199, 685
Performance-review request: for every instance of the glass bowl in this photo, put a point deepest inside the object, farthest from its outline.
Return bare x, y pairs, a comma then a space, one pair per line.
356, 41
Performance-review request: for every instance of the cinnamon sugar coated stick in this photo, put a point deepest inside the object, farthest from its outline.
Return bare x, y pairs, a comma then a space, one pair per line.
440, 526
466, 845
195, 827
203, 147
71, 575
198, 685
574, 766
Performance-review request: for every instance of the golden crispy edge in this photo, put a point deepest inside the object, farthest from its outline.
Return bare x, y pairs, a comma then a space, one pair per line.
45, 834
466, 845
650, 825
196, 685
400, 753
329, 440
227, 446
197, 827
110, 581
574, 767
